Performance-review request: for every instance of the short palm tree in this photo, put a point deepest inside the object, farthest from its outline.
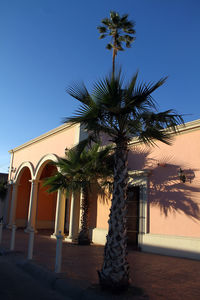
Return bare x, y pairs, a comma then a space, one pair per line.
77, 172
121, 112
121, 31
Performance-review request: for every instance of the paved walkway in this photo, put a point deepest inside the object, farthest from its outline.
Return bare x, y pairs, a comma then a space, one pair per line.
160, 277
15, 284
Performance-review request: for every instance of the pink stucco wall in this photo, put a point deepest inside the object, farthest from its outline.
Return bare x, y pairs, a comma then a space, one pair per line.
174, 206
99, 208
55, 143
103, 210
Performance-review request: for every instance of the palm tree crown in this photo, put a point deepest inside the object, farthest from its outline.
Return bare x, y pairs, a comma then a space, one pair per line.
120, 29
80, 168
123, 112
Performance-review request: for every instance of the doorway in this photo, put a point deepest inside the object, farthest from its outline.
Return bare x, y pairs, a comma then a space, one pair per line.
133, 195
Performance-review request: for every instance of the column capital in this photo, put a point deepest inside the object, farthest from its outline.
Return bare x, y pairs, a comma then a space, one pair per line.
34, 181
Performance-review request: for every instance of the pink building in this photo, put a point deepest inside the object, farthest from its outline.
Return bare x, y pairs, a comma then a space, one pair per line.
163, 196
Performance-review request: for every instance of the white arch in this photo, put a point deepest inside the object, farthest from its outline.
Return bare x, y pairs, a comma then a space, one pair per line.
43, 161
18, 174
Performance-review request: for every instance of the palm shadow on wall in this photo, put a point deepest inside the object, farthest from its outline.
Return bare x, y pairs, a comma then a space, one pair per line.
171, 194
166, 190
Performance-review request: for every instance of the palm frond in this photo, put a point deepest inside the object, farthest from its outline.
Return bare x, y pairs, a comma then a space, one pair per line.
82, 165
102, 36
106, 22
125, 110
109, 46
102, 29
79, 92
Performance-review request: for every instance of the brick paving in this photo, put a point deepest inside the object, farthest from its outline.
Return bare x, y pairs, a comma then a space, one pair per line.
160, 277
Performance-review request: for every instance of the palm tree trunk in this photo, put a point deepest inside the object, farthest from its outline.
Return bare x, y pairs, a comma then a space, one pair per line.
114, 55
115, 271
113, 63
83, 237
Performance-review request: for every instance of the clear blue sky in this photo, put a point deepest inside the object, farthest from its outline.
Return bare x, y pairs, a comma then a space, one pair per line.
45, 45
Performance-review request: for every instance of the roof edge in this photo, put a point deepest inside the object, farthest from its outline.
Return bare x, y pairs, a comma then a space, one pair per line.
183, 128
189, 126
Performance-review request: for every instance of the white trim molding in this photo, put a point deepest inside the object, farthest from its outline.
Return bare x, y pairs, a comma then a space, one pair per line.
189, 126
26, 164
180, 129
43, 136
180, 246
140, 178
43, 161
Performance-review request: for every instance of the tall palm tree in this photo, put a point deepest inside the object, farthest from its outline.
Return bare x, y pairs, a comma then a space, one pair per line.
120, 29
81, 169
121, 112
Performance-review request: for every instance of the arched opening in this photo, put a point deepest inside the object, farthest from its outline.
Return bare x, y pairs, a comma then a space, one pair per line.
46, 202
23, 197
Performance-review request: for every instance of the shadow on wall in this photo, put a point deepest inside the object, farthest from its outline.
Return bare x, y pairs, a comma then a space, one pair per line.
166, 190
97, 193
138, 159
171, 194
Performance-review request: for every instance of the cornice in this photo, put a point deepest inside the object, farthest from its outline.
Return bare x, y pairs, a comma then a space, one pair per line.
181, 129
187, 127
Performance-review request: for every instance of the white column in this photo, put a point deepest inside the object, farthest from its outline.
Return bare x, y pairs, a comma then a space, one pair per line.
13, 205
66, 225
73, 226
60, 214
32, 205
81, 210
